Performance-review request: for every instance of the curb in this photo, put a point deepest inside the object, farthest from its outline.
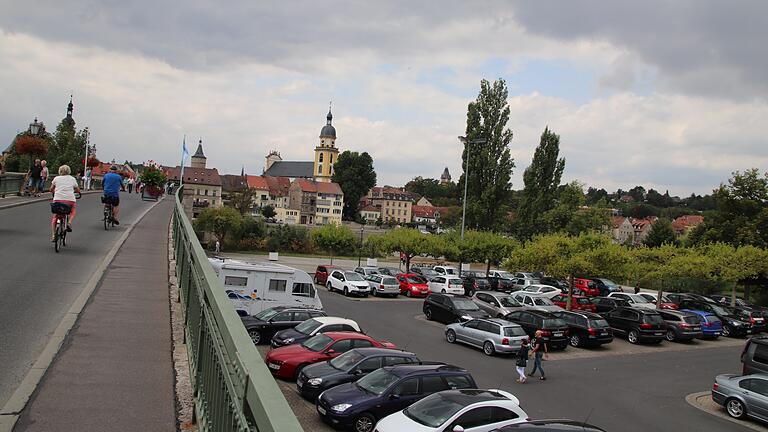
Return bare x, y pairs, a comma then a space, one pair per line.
36, 200
10, 412
695, 400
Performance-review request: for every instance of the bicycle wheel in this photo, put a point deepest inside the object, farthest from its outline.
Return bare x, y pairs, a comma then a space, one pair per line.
106, 218
56, 235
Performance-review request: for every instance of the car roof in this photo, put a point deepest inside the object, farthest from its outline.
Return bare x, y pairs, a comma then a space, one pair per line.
550, 425
501, 322
466, 397
493, 293
677, 312
762, 340
346, 335
331, 266
335, 320
370, 351
639, 309
414, 369
542, 314
586, 314
699, 312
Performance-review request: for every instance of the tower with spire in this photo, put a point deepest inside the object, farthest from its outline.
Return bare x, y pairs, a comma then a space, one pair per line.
326, 153
198, 159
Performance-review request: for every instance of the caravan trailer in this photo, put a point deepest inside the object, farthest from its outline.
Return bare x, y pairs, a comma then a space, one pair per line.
258, 286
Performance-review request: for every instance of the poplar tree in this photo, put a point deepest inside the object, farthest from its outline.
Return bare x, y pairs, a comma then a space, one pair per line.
541, 180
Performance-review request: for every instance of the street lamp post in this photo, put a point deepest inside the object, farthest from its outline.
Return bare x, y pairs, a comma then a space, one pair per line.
360, 249
466, 180
34, 127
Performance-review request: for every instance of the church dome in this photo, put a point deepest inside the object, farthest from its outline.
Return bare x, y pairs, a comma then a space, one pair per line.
328, 130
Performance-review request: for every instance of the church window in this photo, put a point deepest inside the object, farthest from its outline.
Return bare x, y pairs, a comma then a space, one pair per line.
320, 158
319, 169
331, 160
322, 142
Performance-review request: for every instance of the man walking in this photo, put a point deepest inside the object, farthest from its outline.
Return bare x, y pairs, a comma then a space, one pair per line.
130, 185
539, 351
35, 172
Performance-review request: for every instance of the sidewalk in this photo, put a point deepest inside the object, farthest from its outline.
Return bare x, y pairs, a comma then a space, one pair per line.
114, 371
14, 200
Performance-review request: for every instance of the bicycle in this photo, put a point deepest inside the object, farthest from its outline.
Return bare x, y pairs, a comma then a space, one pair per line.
62, 212
109, 220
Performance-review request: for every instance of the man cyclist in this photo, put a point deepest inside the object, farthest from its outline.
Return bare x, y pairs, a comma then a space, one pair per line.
112, 182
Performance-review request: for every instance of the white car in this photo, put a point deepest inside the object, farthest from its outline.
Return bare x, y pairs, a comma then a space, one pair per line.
446, 284
312, 327
501, 274
457, 411
445, 270
634, 300
542, 290
348, 282
536, 302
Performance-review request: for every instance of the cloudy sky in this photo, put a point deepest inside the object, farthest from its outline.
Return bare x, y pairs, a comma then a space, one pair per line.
667, 94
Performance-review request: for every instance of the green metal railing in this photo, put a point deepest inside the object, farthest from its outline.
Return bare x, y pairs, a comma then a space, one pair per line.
10, 183
233, 389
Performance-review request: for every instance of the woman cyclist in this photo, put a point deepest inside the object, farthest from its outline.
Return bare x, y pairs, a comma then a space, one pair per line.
63, 188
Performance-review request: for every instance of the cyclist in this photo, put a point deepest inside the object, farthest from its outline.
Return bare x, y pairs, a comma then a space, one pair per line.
63, 188
112, 183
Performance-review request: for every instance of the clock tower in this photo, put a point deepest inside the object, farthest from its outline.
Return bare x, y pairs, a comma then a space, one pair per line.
326, 152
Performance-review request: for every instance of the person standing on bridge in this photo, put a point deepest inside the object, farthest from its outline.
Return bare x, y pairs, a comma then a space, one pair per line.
63, 188
112, 183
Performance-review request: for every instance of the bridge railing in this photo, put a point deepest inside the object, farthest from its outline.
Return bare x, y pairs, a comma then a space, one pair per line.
233, 389
11, 183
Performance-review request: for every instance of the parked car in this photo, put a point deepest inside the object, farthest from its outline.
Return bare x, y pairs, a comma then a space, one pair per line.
681, 326
262, 326
503, 274
347, 282
367, 271
550, 426
586, 328
638, 324
579, 303
606, 286
492, 335
542, 290
677, 298
457, 410
742, 396
521, 283
501, 284
413, 285
726, 300
389, 271
526, 275
588, 286
495, 304
475, 282
554, 330
286, 362
449, 308
322, 272
607, 304
425, 272
755, 317
311, 327
446, 270
383, 285
754, 357
733, 326
634, 300
348, 367
535, 301
446, 285
665, 302
711, 326
557, 283
359, 405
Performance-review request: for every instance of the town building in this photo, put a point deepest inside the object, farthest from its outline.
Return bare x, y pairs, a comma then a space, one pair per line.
319, 203
425, 214
642, 228
423, 201
623, 232
371, 214
269, 191
287, 216
446, 177
202, 185
685, 223
395, 204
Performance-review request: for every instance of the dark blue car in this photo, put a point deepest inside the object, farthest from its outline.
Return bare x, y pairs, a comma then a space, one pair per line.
359, 405
711, 326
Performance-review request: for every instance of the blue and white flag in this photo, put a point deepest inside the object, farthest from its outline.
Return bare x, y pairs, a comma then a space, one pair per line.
184, 151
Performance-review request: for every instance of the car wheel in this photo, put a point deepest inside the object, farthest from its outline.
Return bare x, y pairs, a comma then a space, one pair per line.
633, 336
329, 286
575, 340
428, 313
735, 408
255, 336
671, 336
470, 293
726, 331
450, 336
346, 292
488, 348
364, 423
298, 371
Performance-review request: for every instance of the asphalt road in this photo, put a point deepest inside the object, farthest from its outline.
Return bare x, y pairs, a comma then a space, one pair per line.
626, 389
37, 285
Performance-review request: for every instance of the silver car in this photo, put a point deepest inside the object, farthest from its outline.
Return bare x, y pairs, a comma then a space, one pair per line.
536, 302
494, 303
742, 396
383, 285
367, 271
493, 335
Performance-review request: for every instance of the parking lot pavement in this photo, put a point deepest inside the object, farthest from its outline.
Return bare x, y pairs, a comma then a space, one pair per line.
704, 402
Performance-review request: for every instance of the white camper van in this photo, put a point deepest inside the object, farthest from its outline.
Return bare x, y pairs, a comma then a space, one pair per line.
255, 287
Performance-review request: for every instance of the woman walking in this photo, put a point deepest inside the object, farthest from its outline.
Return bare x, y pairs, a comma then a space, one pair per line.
522, 361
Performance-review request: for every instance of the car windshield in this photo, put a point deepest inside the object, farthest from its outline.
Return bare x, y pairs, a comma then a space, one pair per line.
352, 276
653, 319
482, 282
389, 281
317, 342
508, 301
514, 331
266, 314
377, 381
638, 298
553, 322
597, 323
346, 360
308, 326
720, 310
433, 410
453, 281
416, 280
450, 271
539, 301
692, 319
464, 304
582, 301
504, 274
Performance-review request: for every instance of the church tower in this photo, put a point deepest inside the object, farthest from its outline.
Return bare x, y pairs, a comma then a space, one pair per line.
326, 153
198, 159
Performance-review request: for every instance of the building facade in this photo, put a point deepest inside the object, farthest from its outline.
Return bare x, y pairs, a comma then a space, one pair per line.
395, 204
202, 185
319, 203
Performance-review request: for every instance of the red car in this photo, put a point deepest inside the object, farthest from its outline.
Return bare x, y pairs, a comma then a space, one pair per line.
580, 303
413, 285
286, 362
322, 272
588, 286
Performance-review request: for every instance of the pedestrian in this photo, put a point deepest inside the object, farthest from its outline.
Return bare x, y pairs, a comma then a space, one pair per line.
87, 179
35, 171
522, 360
218, 246
539, 351
637, 288
43, 176
130, 185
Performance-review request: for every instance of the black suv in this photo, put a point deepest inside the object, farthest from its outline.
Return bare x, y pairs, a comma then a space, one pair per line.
449, 308
348, 367
681, 325
586, 328
359, 405
733, 325
262, 326
638, 324
607, 304
554, 330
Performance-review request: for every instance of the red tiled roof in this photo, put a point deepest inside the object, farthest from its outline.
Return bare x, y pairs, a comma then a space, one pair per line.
278, 186
617, 221
103, 168
424, 211
371, 208
202, 176
257, 182
319, 187
683, 223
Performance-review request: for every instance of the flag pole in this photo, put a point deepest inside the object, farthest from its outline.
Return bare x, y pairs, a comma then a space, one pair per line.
181, 169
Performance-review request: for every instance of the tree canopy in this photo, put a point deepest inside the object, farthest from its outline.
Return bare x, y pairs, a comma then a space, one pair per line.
333, 239
354, 172
541, 180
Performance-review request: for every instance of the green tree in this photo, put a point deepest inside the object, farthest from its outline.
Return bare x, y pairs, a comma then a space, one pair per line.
541, 180
68, 146
334, 239
661, 233
479, 246
490, 164
354, 172
242, 200
409, 242
268, 211
219, 221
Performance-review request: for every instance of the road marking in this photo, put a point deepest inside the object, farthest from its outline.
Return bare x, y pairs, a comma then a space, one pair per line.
704, 402
10, 412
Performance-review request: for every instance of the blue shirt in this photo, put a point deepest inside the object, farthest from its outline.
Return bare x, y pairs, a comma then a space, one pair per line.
112, 182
